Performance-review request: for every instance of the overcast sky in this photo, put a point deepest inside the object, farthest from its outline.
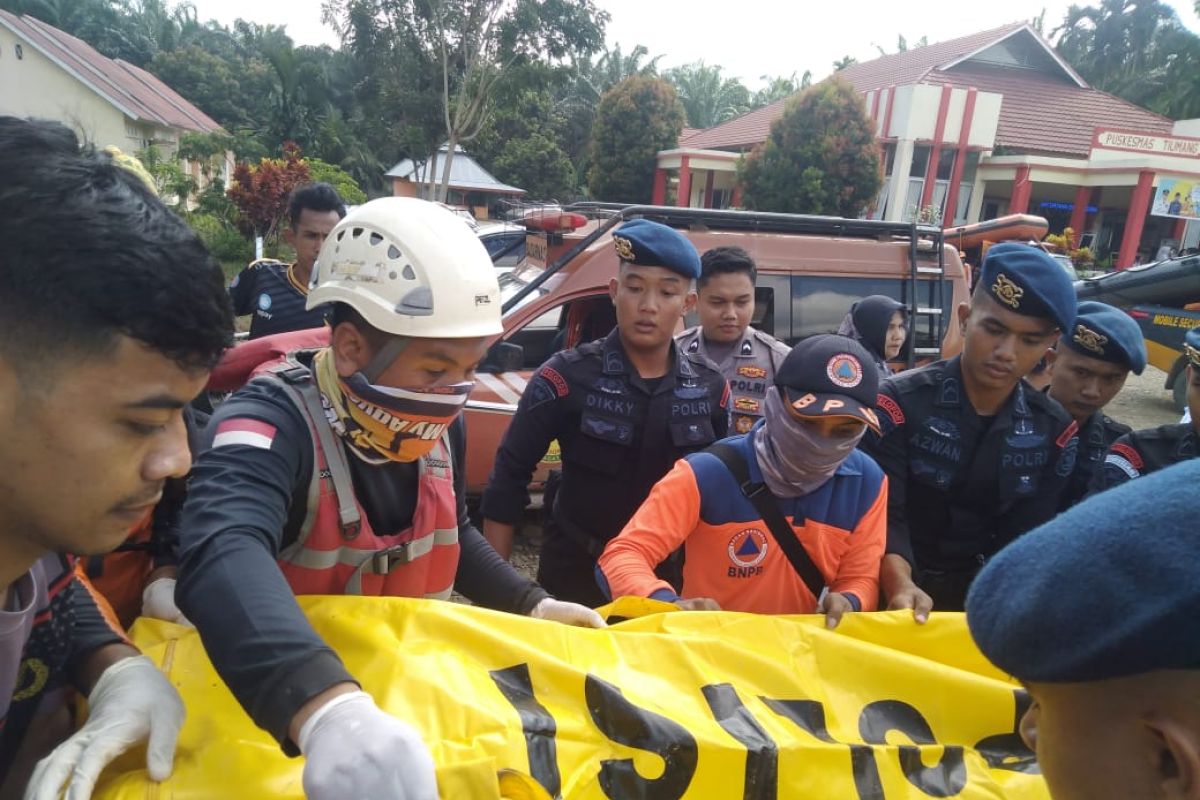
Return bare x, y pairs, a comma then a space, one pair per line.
749, 38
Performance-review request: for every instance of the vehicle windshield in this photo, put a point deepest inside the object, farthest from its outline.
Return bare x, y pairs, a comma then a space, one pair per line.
518, 279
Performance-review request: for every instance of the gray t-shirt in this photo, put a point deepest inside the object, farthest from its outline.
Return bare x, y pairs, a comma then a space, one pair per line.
25, 597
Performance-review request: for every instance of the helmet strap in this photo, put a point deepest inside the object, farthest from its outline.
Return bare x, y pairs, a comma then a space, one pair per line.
386, 356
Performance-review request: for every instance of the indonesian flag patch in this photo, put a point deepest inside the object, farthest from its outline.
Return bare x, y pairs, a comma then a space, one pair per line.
249, 432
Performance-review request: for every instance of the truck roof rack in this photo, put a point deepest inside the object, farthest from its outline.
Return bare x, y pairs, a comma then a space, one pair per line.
613, 214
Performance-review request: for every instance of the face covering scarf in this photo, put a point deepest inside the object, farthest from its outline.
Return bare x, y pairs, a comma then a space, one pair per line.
795, 461
380, 421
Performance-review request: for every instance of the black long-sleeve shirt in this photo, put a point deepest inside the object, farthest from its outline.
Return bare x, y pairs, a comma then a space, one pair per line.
245, 503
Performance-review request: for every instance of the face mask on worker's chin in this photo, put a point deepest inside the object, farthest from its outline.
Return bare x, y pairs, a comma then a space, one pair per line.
403, 423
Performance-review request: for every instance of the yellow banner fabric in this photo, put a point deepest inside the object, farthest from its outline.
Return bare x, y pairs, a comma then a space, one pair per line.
659, 706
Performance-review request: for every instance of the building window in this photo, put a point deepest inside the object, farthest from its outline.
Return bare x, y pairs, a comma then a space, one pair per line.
920, 161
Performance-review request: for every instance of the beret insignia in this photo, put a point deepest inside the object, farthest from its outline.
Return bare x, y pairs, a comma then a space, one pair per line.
1089, 339
1006, 291
624, 248
1192, 353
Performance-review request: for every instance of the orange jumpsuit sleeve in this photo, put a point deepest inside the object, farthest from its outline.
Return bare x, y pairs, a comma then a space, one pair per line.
858, 570
663, 522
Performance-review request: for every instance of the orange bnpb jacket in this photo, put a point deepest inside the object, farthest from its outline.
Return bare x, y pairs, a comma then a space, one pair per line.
729, 553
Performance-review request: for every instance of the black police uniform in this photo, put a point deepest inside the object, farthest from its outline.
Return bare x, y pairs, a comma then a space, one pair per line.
619, 434
1142, 452
961, 486
1096, 435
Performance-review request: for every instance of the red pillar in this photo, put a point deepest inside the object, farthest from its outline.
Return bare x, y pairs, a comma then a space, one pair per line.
960, 160
660, 187
708, 189
1180, 230
684, 200
736, 200
1018, 203
1135, 220
935, 152
1083, 196
887, 114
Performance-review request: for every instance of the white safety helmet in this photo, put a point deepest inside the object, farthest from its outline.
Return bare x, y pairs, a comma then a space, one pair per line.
410, 268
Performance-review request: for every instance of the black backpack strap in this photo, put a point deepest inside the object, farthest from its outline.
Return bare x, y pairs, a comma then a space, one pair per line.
767, 506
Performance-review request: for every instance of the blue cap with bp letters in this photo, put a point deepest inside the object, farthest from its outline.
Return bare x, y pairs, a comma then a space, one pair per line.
1028, 281
652, 244
1108, 334
830, 376
1191, 346
1105, 590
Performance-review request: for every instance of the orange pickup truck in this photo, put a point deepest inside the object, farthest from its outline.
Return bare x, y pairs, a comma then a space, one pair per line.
810, 270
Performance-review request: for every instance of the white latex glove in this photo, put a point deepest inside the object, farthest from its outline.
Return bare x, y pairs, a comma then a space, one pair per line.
158, 601
354, 750
131, 700
567, 614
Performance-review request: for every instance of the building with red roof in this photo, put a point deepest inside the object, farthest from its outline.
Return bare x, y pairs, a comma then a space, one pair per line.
986, 125
49, 74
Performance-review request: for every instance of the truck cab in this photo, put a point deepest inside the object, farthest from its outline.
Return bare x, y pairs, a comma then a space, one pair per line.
810, 270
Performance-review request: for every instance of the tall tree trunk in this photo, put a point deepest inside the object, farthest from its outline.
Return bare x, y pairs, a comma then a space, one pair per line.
451, 146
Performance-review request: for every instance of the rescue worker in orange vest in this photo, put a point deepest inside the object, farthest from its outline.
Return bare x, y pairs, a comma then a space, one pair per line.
341, 471
802, 457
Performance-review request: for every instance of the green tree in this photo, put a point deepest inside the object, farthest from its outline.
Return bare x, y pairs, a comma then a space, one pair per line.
466, 48
779, 87
324, 172
1137, 50
709, 98
820, 157
636, 118
843, 62
538, 165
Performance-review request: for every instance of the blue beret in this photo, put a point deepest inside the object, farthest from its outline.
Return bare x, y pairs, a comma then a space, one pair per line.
651, 244
1105, 590
1028, 281
1108, 334
1191, 345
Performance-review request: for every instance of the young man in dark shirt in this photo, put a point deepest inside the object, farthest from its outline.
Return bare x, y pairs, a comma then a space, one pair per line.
974, 456
277, 293
113, 313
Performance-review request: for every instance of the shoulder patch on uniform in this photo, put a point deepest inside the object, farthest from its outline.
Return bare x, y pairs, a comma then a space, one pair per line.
1067, 435
556, 380
1128, 454
891, 408
244, 431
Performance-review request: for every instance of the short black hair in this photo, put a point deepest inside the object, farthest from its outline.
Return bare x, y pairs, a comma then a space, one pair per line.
90, 253
344, 312
721, 260
315, 197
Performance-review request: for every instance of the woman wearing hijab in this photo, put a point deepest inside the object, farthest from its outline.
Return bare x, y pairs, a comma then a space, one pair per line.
877, 323
802, 453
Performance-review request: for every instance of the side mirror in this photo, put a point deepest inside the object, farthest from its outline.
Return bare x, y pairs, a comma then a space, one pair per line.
504, 357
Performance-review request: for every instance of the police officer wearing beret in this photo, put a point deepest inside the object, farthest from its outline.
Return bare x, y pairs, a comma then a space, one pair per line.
1140, 452
1087, 369
748, 358
974, 456
1095, 612
623, 410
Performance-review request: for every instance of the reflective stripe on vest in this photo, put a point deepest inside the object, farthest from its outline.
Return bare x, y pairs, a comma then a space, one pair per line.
337, 552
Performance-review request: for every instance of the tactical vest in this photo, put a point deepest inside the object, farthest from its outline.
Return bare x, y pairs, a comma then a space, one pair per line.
336, 551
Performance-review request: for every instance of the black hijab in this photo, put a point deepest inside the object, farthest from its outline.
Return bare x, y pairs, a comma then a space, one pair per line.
867, 321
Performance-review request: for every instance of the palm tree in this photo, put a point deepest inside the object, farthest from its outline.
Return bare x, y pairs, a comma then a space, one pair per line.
708, 97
